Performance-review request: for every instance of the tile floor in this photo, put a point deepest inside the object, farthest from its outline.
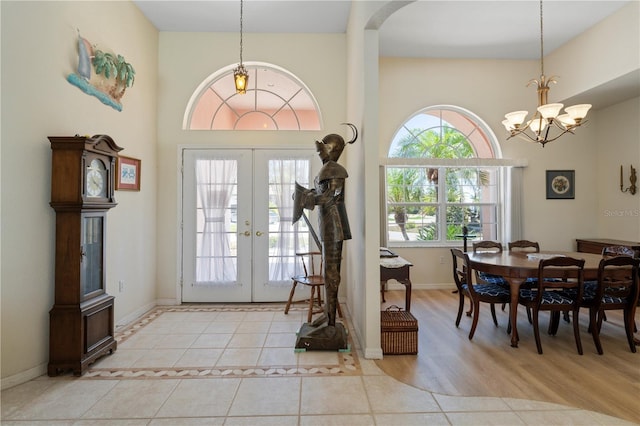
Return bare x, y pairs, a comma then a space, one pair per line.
235, 365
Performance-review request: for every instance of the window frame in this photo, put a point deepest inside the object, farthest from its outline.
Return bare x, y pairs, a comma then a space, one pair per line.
486, 145
441, 206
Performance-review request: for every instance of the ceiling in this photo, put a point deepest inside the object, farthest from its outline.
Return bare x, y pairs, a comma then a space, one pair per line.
476, 29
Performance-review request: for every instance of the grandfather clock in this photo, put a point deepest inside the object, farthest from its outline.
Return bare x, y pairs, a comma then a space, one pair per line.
81, 322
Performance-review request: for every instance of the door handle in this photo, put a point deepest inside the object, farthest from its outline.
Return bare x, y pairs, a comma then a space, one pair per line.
259, 234
247, 233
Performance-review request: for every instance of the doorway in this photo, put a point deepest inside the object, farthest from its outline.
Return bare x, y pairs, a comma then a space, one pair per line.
238, 242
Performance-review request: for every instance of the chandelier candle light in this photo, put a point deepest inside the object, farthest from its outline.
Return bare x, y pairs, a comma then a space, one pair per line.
547, 124
240, 74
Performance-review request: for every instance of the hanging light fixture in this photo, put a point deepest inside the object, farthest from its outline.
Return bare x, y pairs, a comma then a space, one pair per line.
547, 124
240, 74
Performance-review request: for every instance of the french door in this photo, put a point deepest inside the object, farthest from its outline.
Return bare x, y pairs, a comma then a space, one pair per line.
238, 243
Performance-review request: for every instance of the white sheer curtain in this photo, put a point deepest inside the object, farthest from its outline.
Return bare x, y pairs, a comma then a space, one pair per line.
513, 204
384, 236
216, 181
282, 175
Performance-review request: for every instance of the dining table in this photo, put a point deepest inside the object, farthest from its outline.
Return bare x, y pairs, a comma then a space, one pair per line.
516, 266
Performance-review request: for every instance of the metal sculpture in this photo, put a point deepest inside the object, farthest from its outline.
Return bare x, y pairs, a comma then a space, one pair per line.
328, 194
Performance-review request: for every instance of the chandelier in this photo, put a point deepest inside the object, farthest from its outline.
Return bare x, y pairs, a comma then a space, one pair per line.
547, 124
240, 74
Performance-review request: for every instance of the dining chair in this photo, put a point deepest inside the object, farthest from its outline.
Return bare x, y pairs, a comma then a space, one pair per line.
621, 251
483, 277
529, 247
590, 286
490, 246
559, 288
480, 292
525, 246
616, 289
311, 277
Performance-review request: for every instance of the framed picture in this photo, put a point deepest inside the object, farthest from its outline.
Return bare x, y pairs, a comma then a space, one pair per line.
128, 174
561, 184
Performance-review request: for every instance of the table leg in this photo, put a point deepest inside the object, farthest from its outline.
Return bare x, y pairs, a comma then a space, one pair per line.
514, 289
383, 288
407, 297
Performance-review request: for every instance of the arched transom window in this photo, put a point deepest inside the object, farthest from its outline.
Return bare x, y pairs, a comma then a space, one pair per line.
275, 100
437, 182
443, 132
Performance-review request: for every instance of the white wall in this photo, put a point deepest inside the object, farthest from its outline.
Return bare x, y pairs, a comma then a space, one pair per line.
39, 50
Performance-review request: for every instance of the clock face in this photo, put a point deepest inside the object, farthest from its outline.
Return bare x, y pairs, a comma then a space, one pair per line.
96, 179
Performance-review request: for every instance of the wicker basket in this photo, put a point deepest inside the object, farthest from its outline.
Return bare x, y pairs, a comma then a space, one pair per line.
399, 332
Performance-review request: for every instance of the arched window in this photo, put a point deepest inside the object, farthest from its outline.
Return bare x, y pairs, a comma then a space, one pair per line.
275, 100
439, 177
440, 131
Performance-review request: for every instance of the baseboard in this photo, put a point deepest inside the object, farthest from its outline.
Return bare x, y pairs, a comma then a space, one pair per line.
143, 310
373, 353
168, 302
23, 377
128, 319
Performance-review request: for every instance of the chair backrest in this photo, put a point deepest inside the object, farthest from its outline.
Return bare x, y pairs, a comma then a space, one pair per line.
461, 270
618, 278
487, 245
562, 272
311, 263
524, 245
611, 251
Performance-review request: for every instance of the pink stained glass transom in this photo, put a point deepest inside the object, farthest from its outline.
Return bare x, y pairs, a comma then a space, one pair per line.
275, 100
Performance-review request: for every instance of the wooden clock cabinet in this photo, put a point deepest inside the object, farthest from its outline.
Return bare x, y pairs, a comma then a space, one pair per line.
81, 322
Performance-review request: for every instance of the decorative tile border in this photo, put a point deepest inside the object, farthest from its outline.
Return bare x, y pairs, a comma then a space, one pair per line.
348, 363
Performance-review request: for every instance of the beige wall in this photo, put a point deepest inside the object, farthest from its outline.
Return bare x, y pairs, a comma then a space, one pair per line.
186, 59
361, 254
39, 50
617, 213
360, 162
605, 52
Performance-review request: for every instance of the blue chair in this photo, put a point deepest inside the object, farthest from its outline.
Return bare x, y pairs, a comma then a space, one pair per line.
483, 277
616, 289
591, 286
481, 292
558, 289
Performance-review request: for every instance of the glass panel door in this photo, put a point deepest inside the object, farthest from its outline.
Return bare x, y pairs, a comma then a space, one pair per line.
238, 241
275, 248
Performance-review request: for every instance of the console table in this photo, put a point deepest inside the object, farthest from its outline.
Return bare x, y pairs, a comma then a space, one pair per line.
595, 245
396, 268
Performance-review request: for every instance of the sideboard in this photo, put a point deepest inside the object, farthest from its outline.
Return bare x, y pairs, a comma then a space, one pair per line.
595, 245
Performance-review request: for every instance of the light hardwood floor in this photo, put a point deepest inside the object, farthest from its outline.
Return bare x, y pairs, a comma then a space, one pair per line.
449, 363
